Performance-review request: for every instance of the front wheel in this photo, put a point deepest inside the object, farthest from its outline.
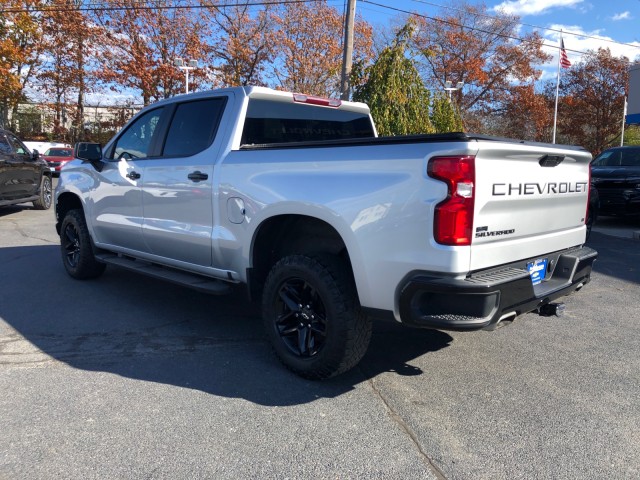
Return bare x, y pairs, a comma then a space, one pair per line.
76, 248
312, 316
44, 199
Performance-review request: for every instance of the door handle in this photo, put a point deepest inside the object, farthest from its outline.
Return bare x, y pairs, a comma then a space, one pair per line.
133, 175
197, 176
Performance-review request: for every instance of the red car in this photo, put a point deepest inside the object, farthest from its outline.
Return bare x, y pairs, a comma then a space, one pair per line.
56, 157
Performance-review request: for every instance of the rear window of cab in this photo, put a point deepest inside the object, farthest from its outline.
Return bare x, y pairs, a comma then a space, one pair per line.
270, 122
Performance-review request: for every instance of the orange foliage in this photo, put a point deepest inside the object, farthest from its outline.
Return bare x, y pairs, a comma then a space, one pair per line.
310, 47
243, 44
20, 49
143, 41
472, 47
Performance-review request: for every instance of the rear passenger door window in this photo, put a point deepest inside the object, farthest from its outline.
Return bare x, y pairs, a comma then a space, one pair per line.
193, 127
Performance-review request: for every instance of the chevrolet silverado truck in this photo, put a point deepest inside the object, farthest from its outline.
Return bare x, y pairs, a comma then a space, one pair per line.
326, 224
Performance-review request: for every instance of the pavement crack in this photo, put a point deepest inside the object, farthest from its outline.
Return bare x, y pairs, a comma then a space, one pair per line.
407, 429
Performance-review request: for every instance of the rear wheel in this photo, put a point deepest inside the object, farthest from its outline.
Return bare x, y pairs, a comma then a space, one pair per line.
312, 317
76, 248
46, 190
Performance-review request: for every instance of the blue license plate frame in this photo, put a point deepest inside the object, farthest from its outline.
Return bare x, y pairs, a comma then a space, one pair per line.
538, 270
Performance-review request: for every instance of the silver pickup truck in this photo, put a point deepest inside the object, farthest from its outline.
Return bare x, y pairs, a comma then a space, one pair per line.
325, 223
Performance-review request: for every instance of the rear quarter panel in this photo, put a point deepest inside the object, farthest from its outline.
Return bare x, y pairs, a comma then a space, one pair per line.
378, 198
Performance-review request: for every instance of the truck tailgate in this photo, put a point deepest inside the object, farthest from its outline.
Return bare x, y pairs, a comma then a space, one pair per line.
529, 200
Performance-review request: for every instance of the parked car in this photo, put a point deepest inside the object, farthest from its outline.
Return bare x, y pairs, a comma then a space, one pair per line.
615, 173
57, 157
24, 177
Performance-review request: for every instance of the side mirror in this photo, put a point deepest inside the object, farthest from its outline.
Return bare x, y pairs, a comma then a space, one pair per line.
35, 154
91, 152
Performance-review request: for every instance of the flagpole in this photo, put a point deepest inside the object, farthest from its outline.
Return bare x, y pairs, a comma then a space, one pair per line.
555, 111
624, 118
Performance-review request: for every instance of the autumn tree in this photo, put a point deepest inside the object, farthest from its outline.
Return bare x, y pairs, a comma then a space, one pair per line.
243, 43
144, 39
591, 100
68, 71
309, 58
20, 51
468, 45
523, 113
394, 91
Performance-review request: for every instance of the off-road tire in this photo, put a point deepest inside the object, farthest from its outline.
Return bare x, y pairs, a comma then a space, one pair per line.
76, 248
312, 316
45, 196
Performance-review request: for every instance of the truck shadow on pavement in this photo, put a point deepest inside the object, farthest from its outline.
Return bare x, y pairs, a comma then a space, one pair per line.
617, 257
145, 329
13, 209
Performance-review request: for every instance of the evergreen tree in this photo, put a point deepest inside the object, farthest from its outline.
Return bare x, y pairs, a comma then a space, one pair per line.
394, 91
445, 115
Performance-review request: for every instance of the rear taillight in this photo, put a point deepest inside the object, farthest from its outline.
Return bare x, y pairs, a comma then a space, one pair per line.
453, 222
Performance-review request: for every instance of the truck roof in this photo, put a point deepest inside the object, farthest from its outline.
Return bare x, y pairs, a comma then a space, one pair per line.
275, 95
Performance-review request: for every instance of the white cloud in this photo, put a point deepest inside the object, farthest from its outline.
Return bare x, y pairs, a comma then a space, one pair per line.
622, 16
576, 44
533, 7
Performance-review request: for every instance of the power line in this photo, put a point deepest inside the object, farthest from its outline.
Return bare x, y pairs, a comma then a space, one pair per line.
96, 5
475, 29
101, 6
549, 29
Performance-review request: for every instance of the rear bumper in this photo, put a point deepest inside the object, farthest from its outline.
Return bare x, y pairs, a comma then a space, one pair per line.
484, 298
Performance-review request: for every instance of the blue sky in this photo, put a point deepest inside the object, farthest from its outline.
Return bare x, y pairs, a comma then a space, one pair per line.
588, 24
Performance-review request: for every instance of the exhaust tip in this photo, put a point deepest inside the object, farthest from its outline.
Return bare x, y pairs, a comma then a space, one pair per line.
552, 309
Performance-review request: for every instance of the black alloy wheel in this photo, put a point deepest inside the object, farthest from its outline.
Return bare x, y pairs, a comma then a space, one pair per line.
70, 240
312, 316
76, 247
301, 321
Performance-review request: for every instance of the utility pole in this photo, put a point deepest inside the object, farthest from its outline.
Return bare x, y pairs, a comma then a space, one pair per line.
347, 58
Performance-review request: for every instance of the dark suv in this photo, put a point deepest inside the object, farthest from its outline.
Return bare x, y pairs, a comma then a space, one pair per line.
24, 177
616, 175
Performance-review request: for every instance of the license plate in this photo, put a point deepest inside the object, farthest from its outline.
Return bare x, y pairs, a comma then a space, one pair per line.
537, 270
53, 169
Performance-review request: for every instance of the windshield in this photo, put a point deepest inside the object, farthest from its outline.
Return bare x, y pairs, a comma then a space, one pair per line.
58, 152
620, 157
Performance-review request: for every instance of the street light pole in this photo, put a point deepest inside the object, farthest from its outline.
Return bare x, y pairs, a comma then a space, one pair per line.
449, 88
191, 65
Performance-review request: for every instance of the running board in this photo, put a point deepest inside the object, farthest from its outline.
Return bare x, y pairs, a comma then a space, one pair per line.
190, 280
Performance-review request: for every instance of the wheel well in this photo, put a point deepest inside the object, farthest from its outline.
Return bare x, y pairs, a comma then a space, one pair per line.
66, 202
287, 235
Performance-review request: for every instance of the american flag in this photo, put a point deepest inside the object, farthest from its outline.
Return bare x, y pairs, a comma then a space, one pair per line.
564, 60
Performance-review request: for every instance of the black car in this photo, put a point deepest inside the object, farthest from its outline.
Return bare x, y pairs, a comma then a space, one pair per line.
24, 177
615, 173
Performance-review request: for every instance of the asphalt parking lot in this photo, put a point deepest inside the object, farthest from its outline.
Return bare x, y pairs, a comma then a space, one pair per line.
129, 377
